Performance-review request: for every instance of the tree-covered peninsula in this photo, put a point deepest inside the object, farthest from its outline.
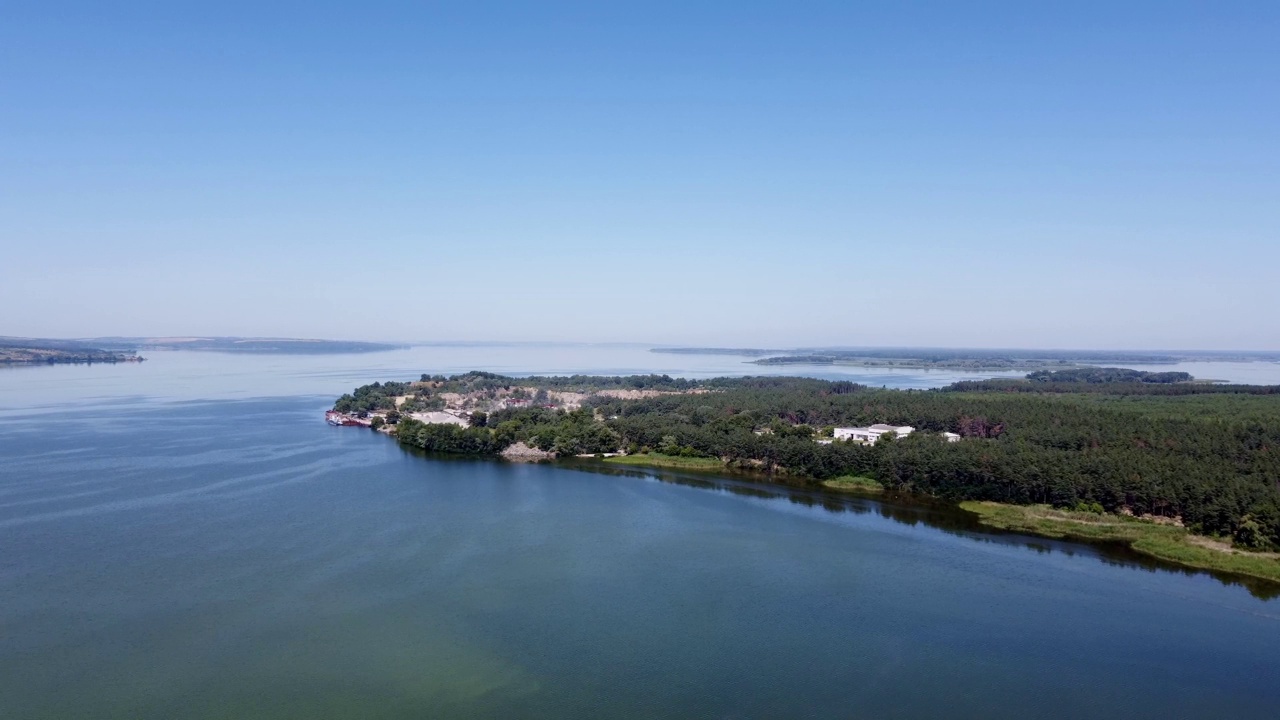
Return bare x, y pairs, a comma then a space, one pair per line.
1206, 458
35, 351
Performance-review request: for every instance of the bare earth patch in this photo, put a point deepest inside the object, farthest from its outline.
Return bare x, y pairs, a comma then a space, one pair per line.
1222, 546
522, 452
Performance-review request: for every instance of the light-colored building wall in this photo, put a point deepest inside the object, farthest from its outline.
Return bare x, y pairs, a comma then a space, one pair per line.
871, 434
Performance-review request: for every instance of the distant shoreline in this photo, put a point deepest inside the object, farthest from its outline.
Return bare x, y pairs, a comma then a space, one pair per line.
910, 364
967, 360
255, 345
15, 356
35, 351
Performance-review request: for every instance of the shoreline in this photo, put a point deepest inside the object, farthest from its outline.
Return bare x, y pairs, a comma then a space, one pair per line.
908, 365
1167, 543
37, 362
783, 430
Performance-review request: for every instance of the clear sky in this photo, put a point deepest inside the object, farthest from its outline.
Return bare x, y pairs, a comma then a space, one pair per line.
1065, 174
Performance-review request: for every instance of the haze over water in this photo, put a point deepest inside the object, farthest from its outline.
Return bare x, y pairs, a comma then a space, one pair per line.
193, 375
187, 538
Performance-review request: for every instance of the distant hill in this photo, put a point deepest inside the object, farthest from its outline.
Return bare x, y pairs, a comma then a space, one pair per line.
1010, 359
40, 351
26, 351
283, 346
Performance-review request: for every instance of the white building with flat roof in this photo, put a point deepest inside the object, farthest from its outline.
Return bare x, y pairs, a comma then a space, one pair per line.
871, 434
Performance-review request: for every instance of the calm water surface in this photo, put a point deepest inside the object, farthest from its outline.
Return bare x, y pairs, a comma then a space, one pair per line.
187, 539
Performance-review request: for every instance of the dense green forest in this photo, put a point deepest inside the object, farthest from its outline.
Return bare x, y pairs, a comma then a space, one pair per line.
1206, 455
370, 398
1106, 375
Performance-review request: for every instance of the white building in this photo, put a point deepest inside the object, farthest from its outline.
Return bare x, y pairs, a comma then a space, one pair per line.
951, 437
871, 434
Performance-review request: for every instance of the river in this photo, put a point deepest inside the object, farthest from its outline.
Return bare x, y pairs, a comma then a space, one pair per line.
186, 538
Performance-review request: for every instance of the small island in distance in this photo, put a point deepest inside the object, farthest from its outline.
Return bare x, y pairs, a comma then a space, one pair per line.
1179, 470
34, 351
976, 359
50, 351
282, 346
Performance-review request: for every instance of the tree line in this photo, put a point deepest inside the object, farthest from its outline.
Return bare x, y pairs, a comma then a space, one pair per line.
1107, 375
1208, 456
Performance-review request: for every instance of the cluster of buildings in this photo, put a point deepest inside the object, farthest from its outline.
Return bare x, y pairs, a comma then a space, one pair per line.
871, 434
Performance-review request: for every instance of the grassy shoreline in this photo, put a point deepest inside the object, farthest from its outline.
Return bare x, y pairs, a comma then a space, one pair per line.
1168, 543
1164, 542
668, 461
853, 484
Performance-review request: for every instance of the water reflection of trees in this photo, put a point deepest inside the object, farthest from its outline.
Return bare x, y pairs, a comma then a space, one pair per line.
914, 511
904, 509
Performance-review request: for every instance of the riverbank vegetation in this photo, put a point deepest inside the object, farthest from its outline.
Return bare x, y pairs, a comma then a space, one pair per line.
653, 459
29, 351
1163, 541
1205, 458
853, 483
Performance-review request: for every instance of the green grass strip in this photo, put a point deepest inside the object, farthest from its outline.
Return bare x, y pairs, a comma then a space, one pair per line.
1165, 542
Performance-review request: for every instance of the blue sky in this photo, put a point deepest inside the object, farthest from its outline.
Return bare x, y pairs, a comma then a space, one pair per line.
1071, 174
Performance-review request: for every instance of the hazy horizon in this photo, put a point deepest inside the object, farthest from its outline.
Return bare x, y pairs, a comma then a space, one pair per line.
446, 342
992, 175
